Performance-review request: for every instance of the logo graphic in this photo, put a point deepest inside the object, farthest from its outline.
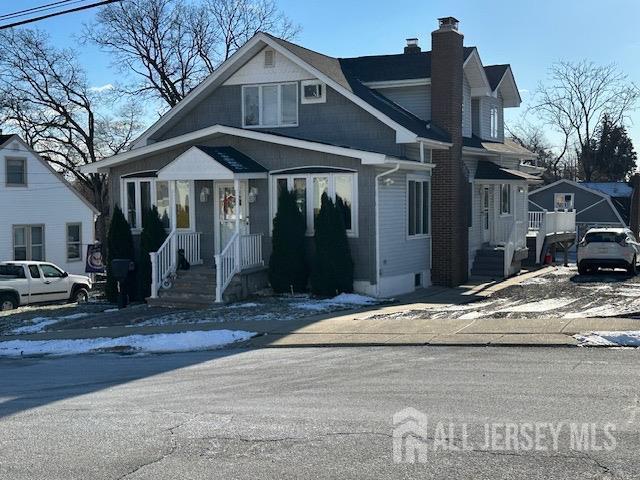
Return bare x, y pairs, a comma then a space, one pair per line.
410, 436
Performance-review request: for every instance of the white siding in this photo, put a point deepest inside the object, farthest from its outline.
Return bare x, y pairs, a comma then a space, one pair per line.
400, 255
254, 71
466, 109
484, 119
46, 200
415, 99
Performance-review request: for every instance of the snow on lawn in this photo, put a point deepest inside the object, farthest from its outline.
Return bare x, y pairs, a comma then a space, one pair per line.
342, 300
540, 306
609, 339
158, 343
39, 324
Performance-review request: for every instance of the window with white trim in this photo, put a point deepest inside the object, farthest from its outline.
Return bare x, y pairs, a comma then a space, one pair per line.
74, 242
562, 202
494, 122
418, 211
16, 172
309, 188
505, 199
141, 194
270, 105
313, 91
28, 242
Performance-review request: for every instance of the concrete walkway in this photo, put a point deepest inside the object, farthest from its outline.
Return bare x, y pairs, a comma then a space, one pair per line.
372, 326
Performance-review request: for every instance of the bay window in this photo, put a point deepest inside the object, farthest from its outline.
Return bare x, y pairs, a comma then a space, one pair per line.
309, 187
271, 105
418, 202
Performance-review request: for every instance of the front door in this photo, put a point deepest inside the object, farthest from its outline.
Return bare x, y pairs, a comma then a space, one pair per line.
226, 208
486, 217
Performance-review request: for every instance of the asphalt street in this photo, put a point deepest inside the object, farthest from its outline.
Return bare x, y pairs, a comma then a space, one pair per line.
323, 413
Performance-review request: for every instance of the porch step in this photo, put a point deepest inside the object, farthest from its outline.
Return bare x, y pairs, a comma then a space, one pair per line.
489, 262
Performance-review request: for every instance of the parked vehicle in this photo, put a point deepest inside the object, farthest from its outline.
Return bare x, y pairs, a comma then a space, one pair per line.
25, 283
608, 248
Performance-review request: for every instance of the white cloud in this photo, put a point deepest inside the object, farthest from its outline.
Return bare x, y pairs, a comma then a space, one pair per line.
102, 88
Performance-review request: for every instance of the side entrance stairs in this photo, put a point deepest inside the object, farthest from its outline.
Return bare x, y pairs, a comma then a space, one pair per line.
489, 262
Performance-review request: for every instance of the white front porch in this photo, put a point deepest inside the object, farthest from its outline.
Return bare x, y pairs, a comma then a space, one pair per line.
219, 200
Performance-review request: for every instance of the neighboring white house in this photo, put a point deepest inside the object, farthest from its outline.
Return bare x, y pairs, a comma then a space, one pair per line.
42, 217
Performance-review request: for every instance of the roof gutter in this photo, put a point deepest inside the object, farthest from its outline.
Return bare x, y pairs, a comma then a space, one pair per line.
377, 200
434, 144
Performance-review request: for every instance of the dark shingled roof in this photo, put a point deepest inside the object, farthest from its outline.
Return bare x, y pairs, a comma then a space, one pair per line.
491, 171
4, 138
333, 68
495, 73
232, 159
380, 68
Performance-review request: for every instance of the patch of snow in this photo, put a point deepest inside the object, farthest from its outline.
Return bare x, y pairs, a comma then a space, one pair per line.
157, 343
613, 339
39, 324
243, 305
75, 316
468, 306
344, 299
471, 315
111, 310
540, 306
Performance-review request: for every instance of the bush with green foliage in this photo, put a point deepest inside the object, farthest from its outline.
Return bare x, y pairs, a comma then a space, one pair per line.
151, 239
119, 245
288, 268
332, 271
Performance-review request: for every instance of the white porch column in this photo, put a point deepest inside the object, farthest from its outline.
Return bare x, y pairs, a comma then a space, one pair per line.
236, 193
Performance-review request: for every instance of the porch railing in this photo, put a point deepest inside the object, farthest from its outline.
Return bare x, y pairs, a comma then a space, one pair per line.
550, 223
164, 262
516, 240
242, 252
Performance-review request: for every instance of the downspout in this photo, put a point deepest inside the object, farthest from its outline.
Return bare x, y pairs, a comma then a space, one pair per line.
378, 177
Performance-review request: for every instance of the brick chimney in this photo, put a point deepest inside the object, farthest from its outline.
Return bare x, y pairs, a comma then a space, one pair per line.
450, 187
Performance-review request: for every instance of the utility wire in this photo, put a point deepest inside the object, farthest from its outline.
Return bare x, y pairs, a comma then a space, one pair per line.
64, 12
34, 9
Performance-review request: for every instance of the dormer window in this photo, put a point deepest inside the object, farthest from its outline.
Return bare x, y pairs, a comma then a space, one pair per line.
313, 91
269, 58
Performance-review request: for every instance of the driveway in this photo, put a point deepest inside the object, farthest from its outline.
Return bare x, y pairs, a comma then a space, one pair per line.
315, 413
559, 294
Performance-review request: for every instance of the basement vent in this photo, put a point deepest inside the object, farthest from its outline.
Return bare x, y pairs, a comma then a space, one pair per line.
269, 58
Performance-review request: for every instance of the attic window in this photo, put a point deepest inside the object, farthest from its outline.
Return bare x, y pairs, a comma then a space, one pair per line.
313, 91
269, 59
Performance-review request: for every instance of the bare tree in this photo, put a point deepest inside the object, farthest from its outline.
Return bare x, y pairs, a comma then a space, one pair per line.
532, 137
578, 96
172, 45
46, 98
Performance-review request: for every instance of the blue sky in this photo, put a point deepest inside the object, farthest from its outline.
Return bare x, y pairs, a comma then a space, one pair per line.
528, 35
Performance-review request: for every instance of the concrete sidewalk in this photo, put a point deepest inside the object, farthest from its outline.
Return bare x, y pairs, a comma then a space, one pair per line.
373, 325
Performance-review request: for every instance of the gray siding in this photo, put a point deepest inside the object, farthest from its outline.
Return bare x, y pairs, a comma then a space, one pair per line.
398, 254
275, 157
599, 211
484, 118
415, 99
338, 121
466, 109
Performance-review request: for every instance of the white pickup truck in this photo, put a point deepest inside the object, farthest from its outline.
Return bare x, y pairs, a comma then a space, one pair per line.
24, 283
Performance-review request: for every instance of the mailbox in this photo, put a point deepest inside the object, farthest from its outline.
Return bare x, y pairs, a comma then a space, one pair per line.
120, 267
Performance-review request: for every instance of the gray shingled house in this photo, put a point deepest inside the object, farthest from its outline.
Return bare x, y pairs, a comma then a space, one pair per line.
413, 142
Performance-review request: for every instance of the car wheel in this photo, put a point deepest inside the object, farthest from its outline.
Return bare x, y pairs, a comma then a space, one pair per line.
583, 269
632, 269
7, 303
80, 295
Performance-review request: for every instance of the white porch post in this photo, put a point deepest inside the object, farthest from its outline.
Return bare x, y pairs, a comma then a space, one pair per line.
236, 192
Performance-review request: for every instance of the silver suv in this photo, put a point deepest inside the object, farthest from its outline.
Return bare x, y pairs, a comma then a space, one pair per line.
608, 248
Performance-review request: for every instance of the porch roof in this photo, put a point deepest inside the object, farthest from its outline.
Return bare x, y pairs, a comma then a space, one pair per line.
212, 163
489, 171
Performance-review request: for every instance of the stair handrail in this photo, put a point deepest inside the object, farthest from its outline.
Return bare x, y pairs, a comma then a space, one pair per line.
509, 248
227, 265
163, 262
